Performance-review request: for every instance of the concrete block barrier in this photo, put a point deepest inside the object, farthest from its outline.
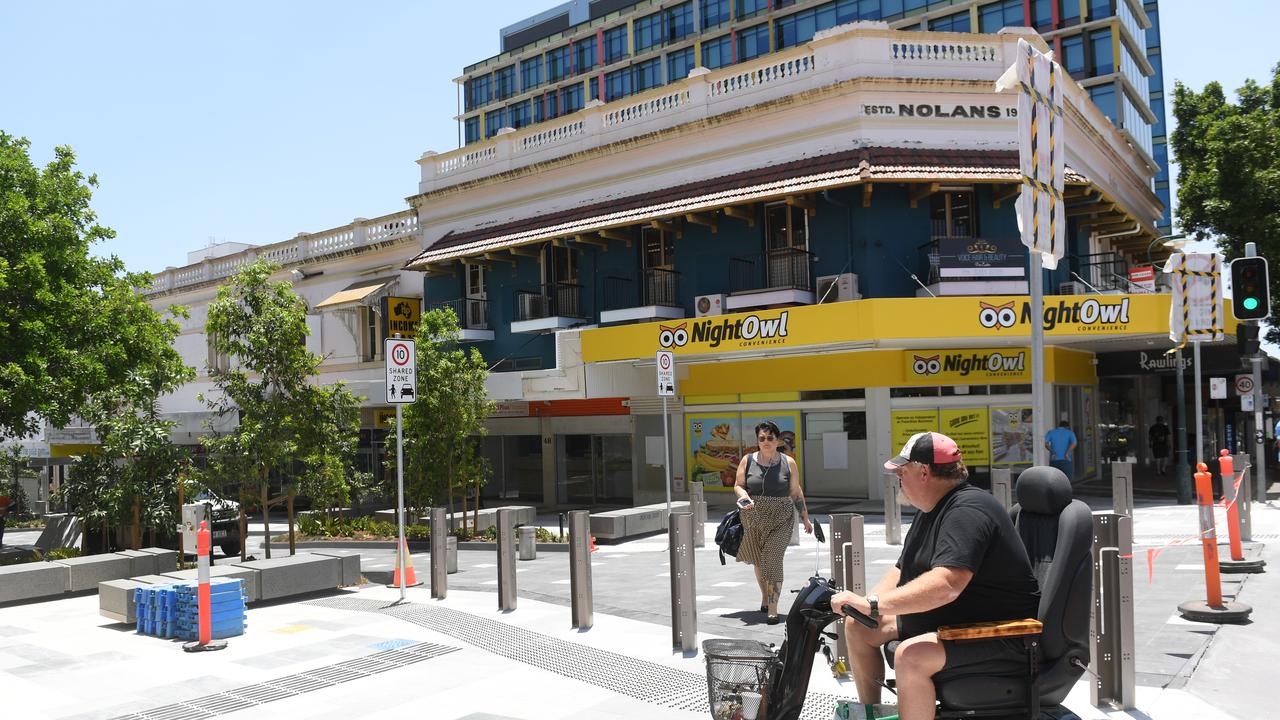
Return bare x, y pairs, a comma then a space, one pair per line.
87, 572
629, 522
249, 577
140, 563
116, 600
295, 575
33, 580
350, 564
166, 559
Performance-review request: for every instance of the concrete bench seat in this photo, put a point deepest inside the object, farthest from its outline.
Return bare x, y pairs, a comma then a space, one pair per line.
630, 522
86, 572
295, 575
486, 517
116, 601
33, 580
350, 564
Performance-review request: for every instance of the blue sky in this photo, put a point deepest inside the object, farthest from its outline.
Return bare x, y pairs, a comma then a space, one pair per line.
251, 122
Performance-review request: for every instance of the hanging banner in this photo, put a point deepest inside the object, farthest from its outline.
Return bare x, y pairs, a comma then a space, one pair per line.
1012, 436
1196, 310
1041, 152
970, 429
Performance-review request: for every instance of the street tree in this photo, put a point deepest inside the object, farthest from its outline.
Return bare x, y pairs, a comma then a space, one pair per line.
1228, 154
289, 428
443, 426
58, 346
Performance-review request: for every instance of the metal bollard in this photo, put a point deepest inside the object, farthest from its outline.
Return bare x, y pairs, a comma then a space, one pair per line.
506, 561
684, 587
1002, 486
892, 512
1111, 615
1213, 609
528, 543
580, 568
848, 567
1122, 488
1243, 466
699, 508
453, 555
440, 552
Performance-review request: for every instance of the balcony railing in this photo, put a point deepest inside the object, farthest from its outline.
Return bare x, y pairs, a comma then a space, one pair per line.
781, 269
656, 286
473, 313
549, 300
1105, 271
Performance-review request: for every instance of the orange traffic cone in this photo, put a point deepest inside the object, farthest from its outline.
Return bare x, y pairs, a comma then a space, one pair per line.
592, 546
412, 580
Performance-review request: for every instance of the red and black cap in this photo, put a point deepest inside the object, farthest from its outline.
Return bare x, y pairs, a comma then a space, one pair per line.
930, 448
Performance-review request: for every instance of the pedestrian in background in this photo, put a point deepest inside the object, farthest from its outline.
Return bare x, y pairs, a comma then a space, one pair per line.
1158, 440
1061, 443
5, 503
768, 489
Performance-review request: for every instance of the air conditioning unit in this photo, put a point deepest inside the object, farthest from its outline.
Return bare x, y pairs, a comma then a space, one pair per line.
837, 288
1074, 287
706, 305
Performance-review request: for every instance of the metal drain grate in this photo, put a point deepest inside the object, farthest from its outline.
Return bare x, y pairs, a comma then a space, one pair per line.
639, 679
262, 693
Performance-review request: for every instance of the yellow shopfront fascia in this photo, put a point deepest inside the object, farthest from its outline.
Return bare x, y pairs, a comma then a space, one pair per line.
975, 319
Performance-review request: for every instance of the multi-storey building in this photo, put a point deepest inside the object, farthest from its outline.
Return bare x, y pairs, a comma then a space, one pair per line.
555, 62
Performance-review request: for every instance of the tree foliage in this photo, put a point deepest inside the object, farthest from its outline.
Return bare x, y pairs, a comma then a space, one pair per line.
289, 427
441, 428
1229, 176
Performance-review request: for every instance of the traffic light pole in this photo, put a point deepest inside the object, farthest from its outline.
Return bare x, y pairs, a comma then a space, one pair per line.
1259, 430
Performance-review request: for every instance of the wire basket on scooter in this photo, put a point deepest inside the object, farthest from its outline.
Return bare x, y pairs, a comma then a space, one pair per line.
738, 675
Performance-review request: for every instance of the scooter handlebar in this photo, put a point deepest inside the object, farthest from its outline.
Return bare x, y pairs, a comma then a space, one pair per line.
851, 611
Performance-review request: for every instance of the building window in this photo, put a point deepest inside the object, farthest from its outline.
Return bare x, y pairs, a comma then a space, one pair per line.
493, 122
1007, 13
1073, 56
953, 214
714, 12
571, 98
558, 63
370, 340
679, 64
753, 42
799, 28
648, 74
530, 73
659, 248
615, 44
471, 128
747, 8
519, 114
617, 84
648, 32
1104, 96
1153, 32
786, 226
584, 55
1069, 11
1099, 9
1157, 107
956, 22
562, 265
504, 82
717, 53
1101, 52
478, 92
217, 362
679, 20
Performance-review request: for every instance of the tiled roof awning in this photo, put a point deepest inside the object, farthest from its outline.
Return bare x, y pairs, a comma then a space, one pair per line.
356, 293
767, 183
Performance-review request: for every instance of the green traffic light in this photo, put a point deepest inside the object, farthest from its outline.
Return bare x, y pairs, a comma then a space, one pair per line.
1250, 303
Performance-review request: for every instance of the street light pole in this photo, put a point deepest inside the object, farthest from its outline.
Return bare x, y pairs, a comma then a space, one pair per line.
1182, 468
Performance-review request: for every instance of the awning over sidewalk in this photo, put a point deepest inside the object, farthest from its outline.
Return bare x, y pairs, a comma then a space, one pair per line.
357, 293
786, 181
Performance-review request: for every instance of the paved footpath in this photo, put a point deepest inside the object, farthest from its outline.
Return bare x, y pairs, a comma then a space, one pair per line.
357, 652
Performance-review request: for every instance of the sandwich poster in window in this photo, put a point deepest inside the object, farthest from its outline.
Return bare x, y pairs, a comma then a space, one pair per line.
715, 447
788, 442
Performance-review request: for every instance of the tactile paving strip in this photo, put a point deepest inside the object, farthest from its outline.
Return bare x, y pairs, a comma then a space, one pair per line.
262, 693
645, 681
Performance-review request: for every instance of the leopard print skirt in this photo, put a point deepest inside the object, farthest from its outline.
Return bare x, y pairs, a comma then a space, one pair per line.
766, 531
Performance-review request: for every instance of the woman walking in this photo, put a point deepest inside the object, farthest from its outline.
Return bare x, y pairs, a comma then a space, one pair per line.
768, 488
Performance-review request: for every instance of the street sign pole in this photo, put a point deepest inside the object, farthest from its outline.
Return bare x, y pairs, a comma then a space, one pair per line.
666, 362
1199, 448
666, 441
402, 549
401, 358
1038, 404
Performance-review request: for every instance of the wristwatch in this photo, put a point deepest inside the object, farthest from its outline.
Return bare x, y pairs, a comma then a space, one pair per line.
874, 602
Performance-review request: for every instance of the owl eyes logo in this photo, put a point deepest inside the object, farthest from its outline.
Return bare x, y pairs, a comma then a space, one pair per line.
997, 316
926, 365
674, 336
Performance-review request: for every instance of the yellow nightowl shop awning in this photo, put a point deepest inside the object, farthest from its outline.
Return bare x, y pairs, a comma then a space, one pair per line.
356, 293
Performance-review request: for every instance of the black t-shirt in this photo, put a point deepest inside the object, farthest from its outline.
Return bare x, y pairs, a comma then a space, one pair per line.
969, 529
1159, 435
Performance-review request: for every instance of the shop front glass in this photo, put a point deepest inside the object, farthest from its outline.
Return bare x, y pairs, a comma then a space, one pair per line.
515, 463
596, 470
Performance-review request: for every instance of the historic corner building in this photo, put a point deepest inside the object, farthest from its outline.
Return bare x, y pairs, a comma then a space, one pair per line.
825, 236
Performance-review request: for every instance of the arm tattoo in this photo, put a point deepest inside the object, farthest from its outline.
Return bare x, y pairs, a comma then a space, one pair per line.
800, 506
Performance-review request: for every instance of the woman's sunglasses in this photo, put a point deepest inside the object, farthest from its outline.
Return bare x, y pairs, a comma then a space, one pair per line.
767, 438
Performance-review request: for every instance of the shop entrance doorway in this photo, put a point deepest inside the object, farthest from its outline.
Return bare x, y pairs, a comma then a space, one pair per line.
596, 470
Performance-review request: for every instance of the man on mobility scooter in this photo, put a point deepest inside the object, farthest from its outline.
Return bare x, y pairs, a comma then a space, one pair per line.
962, 562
